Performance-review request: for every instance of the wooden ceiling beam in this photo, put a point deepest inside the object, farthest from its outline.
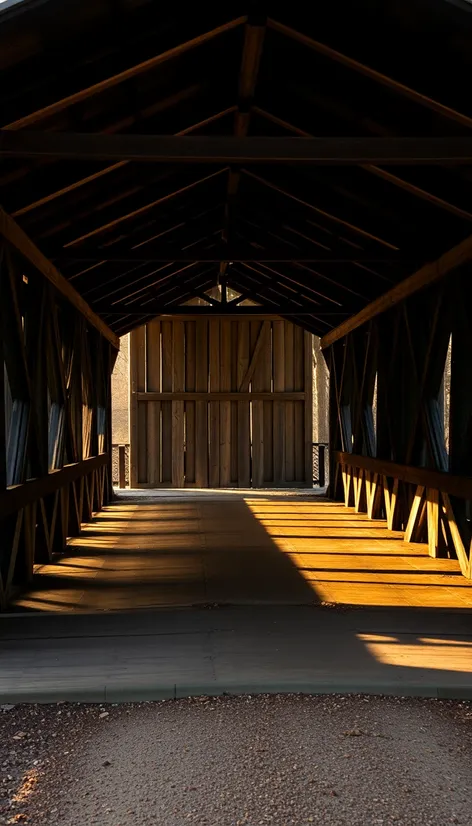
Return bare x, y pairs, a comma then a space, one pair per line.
112, 168
226, 252
210, 310
353, 227
183, 293
301, 284
152, 230
384, 174
236, 282
18, 239
171, 291
126, 289
424, 277
343, 254
121, 125
330, 151
249, 70
284, 290
144, 208
372, 74
121, 77
274, 222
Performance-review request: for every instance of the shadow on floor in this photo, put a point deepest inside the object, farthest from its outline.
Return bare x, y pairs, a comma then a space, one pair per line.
273, 549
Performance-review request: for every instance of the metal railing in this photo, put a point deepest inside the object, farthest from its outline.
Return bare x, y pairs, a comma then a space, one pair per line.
320, 464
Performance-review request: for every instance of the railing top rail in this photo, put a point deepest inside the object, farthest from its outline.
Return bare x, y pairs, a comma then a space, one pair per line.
460, 486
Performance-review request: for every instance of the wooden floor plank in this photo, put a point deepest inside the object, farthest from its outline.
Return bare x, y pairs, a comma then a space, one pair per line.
232, 548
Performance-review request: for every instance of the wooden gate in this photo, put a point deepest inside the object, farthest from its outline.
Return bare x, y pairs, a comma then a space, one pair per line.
221, 403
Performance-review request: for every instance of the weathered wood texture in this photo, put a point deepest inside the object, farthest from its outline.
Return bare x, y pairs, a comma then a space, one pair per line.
54, 423
400, 446
241, 404
197, 552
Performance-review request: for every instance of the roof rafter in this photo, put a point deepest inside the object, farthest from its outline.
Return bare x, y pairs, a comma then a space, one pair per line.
378, 171
127, 283
384, 80
285, 278
140, 236
18, 239
112, 168
429, 274
279, 286
260, 295
320, 211
121, 77
142, 209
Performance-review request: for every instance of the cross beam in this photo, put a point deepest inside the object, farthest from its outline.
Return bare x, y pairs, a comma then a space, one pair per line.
120, 309
226, 252
237, 150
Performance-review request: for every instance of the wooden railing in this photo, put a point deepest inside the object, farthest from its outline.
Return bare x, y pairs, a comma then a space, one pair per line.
56, 357
45, 512
427, 505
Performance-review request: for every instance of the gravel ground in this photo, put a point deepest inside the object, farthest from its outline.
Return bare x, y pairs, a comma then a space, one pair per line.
230, 761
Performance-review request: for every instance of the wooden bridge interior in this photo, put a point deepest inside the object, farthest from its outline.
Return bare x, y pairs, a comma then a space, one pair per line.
246, 163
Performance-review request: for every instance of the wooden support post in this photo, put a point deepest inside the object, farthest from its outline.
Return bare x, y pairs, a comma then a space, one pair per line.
462, 554
122, 466
358, 484
256, 374
347, 477
321, 466
432, 498
133, 408
244, 429
189, 407
214, 416
308, 411
153, 369
178, 432
278, 345
166, 407
391, 498
201, 407
414, 514
225, 407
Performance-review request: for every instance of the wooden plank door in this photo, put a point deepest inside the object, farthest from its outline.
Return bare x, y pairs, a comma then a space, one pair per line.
221, 402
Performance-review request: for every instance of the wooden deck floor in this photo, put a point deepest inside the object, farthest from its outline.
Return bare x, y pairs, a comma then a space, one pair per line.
241, 550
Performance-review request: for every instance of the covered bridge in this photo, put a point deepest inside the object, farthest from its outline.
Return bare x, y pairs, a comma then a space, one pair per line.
235, 176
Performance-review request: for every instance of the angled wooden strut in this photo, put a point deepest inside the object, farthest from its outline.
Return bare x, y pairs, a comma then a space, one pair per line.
12, 233
244, 384
428, 274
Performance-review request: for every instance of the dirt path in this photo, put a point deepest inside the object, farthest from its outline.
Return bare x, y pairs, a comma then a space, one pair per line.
232, 761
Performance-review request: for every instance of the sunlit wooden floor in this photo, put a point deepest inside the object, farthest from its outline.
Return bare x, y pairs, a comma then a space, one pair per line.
241, 550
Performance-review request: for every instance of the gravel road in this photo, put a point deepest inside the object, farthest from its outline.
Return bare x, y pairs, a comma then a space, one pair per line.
281, 760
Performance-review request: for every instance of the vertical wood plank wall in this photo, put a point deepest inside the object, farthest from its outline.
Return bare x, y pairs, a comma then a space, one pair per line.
227, 439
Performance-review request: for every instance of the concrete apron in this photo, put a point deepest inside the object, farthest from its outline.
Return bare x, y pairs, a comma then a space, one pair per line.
118, 657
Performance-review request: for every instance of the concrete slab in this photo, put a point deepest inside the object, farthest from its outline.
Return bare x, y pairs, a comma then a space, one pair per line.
117, 657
